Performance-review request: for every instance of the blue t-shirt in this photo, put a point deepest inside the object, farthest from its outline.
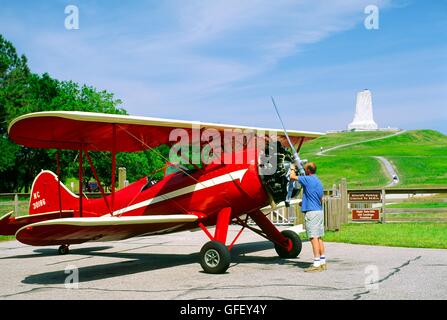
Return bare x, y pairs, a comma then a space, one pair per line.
312, 193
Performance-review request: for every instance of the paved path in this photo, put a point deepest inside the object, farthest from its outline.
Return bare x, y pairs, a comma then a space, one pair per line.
390, 170
322, 153
166, 267
386, 164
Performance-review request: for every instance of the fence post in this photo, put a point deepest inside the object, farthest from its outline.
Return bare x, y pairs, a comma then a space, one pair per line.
299, 215
338, 217
121, 177
16, 204
335, 212
344, 200
334, 190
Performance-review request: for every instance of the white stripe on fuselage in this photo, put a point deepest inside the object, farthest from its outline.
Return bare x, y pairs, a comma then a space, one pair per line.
232, 176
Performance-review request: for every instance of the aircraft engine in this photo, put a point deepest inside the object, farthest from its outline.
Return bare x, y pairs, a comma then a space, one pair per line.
274, 170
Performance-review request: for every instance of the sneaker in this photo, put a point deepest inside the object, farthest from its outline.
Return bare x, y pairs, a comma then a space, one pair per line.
323, 266
313, 269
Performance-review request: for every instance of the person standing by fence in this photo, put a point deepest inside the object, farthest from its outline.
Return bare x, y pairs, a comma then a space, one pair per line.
313, 214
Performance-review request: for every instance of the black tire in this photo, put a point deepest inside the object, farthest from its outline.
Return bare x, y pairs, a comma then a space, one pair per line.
296, 245
63, 249
214, 257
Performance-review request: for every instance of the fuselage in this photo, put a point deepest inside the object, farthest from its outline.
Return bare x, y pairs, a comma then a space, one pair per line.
202, 191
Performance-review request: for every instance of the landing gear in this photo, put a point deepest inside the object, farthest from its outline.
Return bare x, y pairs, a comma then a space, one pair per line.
296, 245
63, 249
215, 257
287, 243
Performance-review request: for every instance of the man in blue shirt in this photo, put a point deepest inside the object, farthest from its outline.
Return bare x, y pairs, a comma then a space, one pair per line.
312, 208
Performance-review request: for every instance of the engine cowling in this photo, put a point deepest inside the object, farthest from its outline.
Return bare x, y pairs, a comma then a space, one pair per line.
274, 169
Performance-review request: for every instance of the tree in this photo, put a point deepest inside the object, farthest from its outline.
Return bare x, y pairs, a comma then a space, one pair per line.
21, 92
13, 81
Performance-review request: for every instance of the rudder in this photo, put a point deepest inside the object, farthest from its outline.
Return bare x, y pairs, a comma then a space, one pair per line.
45, 195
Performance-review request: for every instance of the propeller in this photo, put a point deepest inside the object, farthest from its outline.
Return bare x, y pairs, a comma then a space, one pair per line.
296, 157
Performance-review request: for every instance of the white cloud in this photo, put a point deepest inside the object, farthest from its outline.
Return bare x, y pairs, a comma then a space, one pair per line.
267, 31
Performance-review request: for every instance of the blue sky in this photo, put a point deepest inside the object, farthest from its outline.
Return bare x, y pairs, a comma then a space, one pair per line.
221, 60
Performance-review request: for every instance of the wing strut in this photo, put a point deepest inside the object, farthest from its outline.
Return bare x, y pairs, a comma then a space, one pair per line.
113, 165
80, 178
299, 146
101, 189
58, 161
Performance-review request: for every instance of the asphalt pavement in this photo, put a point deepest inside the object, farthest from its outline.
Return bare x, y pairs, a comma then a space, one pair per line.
166, 267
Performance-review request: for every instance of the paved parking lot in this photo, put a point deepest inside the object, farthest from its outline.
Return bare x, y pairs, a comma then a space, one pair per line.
166, 267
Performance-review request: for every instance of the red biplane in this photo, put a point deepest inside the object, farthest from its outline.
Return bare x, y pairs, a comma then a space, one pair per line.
206, 195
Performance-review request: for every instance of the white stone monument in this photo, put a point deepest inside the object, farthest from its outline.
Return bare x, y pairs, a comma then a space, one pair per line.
363, 119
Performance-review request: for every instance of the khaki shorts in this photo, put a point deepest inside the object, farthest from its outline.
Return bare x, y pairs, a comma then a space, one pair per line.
314, 223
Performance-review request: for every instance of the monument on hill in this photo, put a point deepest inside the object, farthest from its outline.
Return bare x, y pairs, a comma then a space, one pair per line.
363, 119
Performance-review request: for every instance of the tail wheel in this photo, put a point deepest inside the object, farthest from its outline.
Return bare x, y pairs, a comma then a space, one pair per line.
296, 245
214, 257
63, 249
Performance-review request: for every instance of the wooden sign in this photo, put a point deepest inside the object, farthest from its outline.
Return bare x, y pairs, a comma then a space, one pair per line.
365, 197
365, 215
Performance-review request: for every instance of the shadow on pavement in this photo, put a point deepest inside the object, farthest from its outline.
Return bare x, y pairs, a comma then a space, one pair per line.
51, 252
145, 262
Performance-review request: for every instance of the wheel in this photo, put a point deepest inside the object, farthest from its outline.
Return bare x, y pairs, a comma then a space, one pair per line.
296, 245
63, 249
214, 257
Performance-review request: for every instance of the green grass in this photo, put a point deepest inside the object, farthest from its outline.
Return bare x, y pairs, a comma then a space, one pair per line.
11, 199
427, 171
420, 157
7, 238
361, 172
75, 181
334, 139
23, 208
414, 235
417, 205
411, 143
409, 216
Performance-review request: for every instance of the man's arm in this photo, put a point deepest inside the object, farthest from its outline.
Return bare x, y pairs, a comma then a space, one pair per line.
293, 175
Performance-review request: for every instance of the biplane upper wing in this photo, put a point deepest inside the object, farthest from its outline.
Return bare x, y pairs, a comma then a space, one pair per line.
104, 228
110, 132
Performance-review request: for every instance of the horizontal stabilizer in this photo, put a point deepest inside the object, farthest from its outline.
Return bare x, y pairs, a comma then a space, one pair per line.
9, 225
105, 228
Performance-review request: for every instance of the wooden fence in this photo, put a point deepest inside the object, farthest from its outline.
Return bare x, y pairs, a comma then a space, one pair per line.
396, 205
407, 204
19, 202
14, 202
335, 206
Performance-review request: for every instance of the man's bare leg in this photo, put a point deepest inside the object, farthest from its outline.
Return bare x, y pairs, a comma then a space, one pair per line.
322, 255
321, 247
316, 252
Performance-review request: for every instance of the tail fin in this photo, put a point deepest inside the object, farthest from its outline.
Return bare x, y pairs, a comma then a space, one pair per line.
45, 195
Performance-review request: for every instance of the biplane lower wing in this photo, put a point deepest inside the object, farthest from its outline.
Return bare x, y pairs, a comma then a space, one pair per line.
105, 228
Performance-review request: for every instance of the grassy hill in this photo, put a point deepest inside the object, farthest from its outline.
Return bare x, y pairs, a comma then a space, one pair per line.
419, 157
335, 139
